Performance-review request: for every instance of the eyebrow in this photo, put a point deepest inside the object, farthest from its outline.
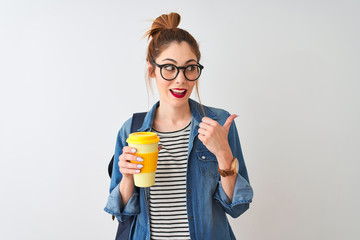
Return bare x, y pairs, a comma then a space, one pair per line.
172, 60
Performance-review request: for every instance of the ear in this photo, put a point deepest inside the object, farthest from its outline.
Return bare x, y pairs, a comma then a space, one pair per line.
151, 70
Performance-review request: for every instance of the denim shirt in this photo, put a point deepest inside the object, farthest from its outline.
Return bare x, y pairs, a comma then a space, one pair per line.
206, 201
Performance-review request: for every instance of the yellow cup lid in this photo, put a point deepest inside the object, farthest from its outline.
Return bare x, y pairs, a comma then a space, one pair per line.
143, 138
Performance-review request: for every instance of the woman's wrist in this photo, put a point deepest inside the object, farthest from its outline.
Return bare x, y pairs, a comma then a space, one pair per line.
126, 188
224, 160
126, 183
126, 179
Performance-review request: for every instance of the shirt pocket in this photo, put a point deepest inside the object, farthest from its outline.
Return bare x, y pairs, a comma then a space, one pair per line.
207, 163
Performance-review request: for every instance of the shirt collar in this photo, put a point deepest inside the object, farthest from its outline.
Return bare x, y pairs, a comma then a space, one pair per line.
196, 114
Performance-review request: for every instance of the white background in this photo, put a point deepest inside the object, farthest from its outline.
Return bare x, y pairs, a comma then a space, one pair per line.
73, 71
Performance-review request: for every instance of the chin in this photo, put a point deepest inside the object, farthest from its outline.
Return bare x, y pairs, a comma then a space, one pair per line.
177, 102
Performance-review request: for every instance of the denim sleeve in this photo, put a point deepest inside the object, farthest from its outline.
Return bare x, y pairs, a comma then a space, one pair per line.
114, 204
243, 192
115, 207
241, 200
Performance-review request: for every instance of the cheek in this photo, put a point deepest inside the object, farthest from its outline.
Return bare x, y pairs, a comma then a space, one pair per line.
192, 86
162, 85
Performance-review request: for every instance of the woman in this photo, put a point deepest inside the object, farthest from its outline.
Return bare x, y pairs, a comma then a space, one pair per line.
197, 182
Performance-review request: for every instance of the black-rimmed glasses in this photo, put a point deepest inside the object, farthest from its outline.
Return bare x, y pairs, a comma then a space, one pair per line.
170, 71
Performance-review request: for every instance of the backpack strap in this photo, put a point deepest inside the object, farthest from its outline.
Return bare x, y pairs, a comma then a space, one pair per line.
136, 123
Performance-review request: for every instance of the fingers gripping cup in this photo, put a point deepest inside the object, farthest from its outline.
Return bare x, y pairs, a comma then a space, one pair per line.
146, 144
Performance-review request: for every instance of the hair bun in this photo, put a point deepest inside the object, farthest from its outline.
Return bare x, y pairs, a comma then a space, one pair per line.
165, 21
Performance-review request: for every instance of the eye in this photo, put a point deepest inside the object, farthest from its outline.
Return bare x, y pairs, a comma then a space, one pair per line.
170, 68
191, 68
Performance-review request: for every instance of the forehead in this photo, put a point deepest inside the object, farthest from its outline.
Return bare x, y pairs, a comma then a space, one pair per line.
180, 52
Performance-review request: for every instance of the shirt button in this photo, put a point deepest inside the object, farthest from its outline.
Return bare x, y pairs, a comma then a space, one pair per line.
203, 157
191, 218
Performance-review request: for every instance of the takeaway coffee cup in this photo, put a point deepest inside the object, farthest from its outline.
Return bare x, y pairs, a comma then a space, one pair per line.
146, 144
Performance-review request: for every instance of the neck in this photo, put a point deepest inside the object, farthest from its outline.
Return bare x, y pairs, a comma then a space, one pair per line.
168, 117
173, 114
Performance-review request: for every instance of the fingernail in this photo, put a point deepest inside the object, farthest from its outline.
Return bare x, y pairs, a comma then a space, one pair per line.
139, 159
137, 171
139, 166
237, 116
133, 150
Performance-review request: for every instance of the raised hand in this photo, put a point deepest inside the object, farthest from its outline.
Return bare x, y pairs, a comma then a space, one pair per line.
214, 136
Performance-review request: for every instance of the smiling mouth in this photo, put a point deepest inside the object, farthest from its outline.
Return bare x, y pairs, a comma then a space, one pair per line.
178, 93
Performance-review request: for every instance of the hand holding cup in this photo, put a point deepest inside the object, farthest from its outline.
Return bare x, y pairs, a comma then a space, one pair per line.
139, 159
129, 163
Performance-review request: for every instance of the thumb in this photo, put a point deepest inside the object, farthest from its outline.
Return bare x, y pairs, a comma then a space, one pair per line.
229, 121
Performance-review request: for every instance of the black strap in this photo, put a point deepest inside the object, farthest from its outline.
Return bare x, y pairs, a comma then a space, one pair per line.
137, 122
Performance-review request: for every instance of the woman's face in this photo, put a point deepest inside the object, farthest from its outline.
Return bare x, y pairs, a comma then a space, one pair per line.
175, 92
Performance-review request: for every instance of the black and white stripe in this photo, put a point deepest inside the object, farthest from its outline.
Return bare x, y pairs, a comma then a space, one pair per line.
168, 215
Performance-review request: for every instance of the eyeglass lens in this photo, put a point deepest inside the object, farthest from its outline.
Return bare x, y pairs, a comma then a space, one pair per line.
170, 72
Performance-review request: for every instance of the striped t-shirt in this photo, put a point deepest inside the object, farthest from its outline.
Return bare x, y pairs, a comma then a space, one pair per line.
168, 215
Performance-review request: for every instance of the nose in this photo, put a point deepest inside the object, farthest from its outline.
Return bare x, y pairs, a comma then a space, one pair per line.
180, 78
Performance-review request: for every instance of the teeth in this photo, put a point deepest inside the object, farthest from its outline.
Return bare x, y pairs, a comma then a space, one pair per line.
178, 91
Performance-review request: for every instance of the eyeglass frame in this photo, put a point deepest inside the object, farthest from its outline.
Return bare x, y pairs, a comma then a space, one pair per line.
178, 70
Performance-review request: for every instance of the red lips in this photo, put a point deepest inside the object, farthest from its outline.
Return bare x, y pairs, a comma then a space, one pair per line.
178, 92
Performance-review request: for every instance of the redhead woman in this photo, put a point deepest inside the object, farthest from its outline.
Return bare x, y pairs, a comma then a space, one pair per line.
201, 174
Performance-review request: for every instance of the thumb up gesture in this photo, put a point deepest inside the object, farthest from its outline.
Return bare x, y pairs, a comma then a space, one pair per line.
214, 136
